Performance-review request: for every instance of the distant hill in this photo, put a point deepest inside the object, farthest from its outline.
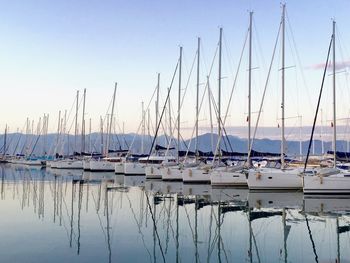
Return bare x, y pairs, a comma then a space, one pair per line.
16, 143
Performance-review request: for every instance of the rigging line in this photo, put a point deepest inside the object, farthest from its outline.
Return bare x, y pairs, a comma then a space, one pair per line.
318, 104
256, 33
155, 226
194, 127
138, 129
298, 58
265, 88
229, 60
182, 102
19, 139
166, 101
206, 87
233, 88
223, 128
311, 239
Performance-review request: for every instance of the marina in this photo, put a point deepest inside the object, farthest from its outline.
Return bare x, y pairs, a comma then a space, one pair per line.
87, 217
175, 132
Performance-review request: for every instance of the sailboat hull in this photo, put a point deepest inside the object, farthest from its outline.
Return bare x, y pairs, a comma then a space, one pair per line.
196, 175
274, 179
339, 184
172, 173
153, 171
101, 166
119, 168
134, 168
228, 178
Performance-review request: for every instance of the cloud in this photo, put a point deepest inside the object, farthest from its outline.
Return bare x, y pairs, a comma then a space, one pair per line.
338, 65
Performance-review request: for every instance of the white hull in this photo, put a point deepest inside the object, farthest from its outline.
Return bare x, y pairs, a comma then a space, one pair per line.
34, 162
86, 165
70, 164
196, 175
228, 178
326, 185
153, 171
119, 168
274, 179
172, 173
134, 168
101, 166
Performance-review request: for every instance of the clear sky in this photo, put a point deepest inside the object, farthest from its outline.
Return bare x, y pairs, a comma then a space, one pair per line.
50, 49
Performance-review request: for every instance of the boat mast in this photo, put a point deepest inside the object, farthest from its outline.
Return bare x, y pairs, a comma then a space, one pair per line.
157, 103
250, 84
111, 121
334, 103
5, 138
197, 94
219, 88
178, 107
283, 67
90, 135
143, 127
83, 125
101, 134
76, 122
170, 125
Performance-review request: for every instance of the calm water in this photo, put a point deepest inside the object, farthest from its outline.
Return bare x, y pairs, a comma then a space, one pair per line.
71, 216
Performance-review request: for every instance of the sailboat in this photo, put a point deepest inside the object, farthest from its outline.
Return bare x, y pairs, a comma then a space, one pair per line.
236, 175
155, 163
73, 162
282, 178
329, 180
3, 159
107, 163
201, 172
175, 172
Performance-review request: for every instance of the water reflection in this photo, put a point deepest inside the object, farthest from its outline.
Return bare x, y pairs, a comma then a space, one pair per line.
74, 216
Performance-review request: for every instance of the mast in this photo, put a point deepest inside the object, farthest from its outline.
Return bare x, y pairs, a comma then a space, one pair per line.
197, 94
178, 107
210, 115
143, 127
219, 86
283, 67
157, 103
101, 134
170, 125
5, 138
250, 84
111, 121
90, 135
83, 125
334, 103
76, 122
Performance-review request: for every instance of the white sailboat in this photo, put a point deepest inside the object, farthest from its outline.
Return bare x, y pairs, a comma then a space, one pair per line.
282, 178
329, 180
235, 175
72, 163
201, 173
106, 164
156, 162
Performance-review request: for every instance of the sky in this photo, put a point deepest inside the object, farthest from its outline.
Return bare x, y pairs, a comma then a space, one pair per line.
51, 49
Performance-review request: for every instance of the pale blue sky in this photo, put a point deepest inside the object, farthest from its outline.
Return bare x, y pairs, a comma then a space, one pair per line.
49, 49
